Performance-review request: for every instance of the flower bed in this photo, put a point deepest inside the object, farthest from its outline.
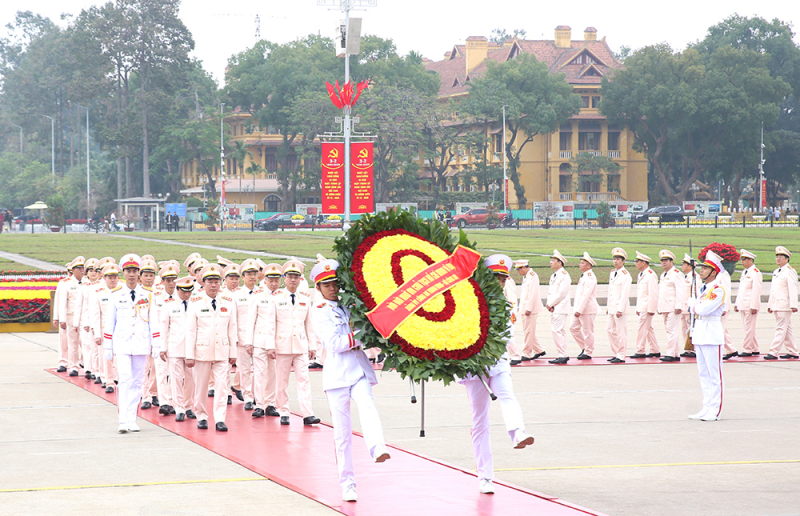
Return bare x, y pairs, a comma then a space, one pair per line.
459, 332
25, 296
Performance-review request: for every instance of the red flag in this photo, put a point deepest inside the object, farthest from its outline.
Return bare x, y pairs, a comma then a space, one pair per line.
347, 93
333, 95
359, 88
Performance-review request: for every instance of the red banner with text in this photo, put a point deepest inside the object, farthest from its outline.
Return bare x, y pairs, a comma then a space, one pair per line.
361, 178
763, 193
332, 178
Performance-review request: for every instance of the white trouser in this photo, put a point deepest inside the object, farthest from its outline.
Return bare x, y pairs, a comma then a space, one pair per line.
339, 403
162, 382
181, 382
480, 401
130, 369
617, 329
674, 341
582, 330
709, 365
244, 370
558, 327
264, 379
88, 350
205, 372
729, 347
63, 347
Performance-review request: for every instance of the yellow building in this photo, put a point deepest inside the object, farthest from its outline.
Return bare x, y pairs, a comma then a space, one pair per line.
545, 168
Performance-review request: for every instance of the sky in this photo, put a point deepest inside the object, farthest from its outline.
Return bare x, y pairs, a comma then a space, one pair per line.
432, 27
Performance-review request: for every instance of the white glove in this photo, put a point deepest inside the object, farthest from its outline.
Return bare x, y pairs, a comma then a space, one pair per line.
154, 352
691, 302
108, 354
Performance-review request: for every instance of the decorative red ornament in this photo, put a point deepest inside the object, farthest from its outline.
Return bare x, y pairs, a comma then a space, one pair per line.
727, 252
346, 95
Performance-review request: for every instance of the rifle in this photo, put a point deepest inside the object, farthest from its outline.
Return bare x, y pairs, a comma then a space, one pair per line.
688, 345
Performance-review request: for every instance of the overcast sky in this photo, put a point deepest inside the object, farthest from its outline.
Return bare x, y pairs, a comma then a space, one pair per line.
431, 27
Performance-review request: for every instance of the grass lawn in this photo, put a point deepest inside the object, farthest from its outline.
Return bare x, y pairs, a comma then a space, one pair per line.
536, 245
6, 265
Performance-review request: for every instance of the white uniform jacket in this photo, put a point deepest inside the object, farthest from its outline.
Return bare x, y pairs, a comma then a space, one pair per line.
345, 362
748, 297
289, 327
256, 322
530, 300
558, 293
173, 327
98, 307
783, 292
687, 288
708, 310
210, 333
82, 308
586, 294
69, 302
510, 293
57, 298
131, 327
619, 291
647, 291
671, 291
242, 298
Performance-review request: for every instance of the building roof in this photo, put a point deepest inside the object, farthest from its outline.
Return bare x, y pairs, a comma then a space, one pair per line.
454, 75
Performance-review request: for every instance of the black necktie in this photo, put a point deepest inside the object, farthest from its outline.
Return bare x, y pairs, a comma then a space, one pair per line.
214, 304
133, 295
703, 289
615, 273
251, 291
185, 306
292, 299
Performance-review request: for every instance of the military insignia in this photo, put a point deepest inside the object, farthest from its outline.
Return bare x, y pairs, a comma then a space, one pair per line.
302, 304
205, 310
322, 305
223, 309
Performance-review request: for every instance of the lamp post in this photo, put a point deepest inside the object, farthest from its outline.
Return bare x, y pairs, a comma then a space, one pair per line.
505, 181
52, 146
88, 179
763, 202
222, 162
20, 137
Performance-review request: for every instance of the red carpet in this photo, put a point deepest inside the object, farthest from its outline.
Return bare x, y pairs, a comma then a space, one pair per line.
302, 459
596, 360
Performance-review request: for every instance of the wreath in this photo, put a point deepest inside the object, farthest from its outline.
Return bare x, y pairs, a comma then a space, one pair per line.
727, 252
460, 332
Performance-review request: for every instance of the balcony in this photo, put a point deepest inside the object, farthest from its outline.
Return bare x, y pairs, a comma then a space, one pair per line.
565, 154
589, 196
613, 154
591, 152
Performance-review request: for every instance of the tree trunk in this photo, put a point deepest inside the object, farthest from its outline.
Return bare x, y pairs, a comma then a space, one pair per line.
119, 176
145, 154
128, 174
736, 185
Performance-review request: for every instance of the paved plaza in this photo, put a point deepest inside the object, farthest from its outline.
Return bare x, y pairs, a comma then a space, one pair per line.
614, 439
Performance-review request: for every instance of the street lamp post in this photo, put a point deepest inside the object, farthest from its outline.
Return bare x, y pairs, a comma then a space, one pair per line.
88, 178
20, 137
222, 162
763, 202
505, 181
52, 146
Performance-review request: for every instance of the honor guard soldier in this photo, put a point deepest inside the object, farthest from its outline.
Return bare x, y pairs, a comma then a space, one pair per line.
617, 306
783, 303
691, 280
708, 338
530, 304
147, 278
748, 302
69, 313
98, 309
559, 305
211, 345
130, 334
63, 343
165, 300
348, 374
646, 307
585, 308
498, 379
242, 298
288, 338
725, 280
510, 293
671, 291
89, 351
264, 383
174, 317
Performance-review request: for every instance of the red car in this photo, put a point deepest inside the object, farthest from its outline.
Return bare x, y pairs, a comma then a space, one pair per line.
476, 217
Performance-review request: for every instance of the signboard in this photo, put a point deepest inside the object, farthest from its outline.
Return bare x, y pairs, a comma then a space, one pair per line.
332, 178
177, 208
361, 174
763, 193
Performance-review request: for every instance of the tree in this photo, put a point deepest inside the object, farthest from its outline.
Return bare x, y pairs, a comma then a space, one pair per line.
537, 102
500, 35
592, 168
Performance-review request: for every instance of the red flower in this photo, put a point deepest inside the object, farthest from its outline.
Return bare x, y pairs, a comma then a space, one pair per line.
726, 252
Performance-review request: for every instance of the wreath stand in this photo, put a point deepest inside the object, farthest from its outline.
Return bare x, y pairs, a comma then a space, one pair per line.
422, 405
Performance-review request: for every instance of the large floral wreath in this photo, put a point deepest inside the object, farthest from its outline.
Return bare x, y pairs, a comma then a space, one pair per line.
460, 332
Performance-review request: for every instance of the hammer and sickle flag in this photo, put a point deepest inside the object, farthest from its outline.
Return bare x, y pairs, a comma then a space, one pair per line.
332, 93
334, 153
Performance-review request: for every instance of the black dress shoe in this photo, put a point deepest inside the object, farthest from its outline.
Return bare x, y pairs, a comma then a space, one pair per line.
284, 420
315, 365
190, 414
755, 353
98, 381
258, 412
221, 427
180, 417
202, 424
559, 360
248, 405
94, 377
525, 359
616, 360
538, 355
787, 355
731, 355
638, 355
156, 403
171, 410
272, 412
238, 394
87, 375
73, 373
688, 354
164, 411
516, 362
670, 359
230, 399
61, 369
653, 355
310, 420
146, 405
109, 389
770, 357
210, 393
745, 354
584, 356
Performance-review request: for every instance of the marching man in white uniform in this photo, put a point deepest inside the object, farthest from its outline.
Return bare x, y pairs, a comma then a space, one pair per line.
619, 291
783, 303
264, 382
671, 292
98, 308
69, 303
174, 318
348, 374
708, 337
559, 305
690, 280
530, 304
499, 380
748, 302
585, 308
131, 333
646, 307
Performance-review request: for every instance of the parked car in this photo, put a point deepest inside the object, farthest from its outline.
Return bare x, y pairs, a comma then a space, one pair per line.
476, 216
274, 222
666, 213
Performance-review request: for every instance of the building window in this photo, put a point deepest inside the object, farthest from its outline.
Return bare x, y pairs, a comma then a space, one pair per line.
565, 141
595, 102
589, 186
565, 183
613, 183
270, 163
589, 141
613, 141
585, 101
498, 143
271, 203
